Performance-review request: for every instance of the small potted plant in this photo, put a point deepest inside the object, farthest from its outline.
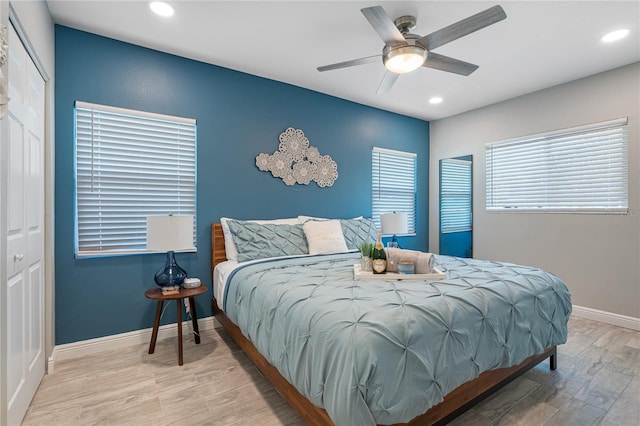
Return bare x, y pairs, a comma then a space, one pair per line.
366, 250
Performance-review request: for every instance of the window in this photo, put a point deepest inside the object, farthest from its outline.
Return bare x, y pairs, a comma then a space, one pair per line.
582, 169
129, 165
394, 185
455, 195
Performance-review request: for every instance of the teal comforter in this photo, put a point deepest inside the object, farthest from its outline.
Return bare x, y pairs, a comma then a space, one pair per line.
385, 351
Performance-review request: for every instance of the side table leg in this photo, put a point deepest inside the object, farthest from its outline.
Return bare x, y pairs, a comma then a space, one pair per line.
156, 324
179, 305
194, 319
553, 360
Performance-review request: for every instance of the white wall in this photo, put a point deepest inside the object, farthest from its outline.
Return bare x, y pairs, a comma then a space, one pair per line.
34, 18
598, 256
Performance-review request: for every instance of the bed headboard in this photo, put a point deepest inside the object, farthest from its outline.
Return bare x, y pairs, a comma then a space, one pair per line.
218, 253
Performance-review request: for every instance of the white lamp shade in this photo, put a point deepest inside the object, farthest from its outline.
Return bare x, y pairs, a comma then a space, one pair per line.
393, 223
169, 233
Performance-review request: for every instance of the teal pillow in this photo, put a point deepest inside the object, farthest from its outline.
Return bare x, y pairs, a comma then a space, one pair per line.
358, 231
259, 241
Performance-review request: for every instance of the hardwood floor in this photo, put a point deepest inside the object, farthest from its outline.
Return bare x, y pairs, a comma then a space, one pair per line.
597, 383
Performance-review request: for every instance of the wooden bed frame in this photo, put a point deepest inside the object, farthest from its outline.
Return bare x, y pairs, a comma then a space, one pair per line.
454, 404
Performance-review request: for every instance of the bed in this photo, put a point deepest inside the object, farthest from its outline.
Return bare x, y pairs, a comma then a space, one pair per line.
413, 363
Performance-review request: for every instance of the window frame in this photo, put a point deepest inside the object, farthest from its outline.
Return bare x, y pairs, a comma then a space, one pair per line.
376, 188
453, 189
149, 131
564, 138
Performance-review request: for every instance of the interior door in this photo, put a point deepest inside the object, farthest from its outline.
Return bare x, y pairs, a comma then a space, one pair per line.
24, 231
456, 206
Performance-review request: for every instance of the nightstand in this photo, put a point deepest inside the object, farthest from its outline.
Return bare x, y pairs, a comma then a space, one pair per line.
190, 293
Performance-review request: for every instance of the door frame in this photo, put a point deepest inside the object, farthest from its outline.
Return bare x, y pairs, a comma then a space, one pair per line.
8, 16
4, 135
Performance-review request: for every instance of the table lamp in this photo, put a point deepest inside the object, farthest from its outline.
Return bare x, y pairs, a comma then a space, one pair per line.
393, 224
170, 233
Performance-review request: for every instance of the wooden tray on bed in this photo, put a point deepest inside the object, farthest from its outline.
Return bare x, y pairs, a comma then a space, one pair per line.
358, 274
455, 403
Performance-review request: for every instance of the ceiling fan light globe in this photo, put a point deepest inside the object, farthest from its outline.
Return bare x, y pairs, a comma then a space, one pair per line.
404, 59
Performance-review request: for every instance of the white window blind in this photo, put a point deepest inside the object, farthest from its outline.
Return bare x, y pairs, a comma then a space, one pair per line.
455, 195
129, 165
394, 185
582, 169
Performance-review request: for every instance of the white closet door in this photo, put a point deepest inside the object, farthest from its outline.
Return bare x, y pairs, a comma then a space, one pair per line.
25, 231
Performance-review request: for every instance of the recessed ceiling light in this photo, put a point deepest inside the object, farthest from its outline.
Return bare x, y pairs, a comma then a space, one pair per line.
615, 35
435, 100
161, 8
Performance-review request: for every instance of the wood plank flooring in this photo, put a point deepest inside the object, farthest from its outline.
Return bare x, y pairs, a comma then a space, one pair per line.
597, 383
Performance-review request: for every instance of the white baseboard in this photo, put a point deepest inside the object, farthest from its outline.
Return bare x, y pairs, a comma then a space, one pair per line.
118, 341
607, 317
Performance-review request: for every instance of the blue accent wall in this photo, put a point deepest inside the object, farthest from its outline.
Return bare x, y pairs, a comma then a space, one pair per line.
456, 244
238, 116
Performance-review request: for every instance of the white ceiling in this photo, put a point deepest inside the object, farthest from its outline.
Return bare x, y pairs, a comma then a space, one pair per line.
539, 45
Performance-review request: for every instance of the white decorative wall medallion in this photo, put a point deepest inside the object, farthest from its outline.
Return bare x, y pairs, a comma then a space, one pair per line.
297, 162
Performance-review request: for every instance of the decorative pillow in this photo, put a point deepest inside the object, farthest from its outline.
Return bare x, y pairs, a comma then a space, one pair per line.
303, 219
230, 247
357, 231
324, 236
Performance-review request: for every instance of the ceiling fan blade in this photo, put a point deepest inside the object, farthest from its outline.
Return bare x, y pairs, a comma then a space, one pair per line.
462, 28
383, 24
387, 82
445, 63
350, 63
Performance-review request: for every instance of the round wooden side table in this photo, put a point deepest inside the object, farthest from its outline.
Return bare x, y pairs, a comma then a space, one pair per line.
190, 293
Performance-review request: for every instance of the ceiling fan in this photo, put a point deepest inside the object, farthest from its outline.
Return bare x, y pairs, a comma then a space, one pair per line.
404, 52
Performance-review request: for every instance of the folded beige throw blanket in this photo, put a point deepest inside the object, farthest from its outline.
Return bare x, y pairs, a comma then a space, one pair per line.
423, 261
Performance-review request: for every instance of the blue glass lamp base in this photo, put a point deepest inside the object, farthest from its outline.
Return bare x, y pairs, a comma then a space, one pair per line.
394, 242
171, 273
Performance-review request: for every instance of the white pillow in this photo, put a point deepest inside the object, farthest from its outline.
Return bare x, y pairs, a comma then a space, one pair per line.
324, 236
230, 247
304, 219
